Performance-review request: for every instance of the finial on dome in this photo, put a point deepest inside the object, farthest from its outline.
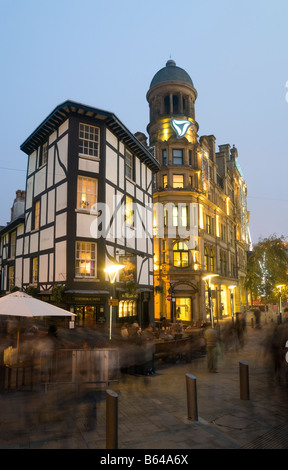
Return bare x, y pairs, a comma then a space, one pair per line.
171, 63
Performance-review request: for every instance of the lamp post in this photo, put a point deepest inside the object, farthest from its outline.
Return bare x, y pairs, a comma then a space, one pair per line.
280, 301
232, 302
112, 271
208, 280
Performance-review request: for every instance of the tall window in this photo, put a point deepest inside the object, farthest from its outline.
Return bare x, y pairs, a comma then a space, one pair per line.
11, 277
165, 181
206, 258
175, 216
178, 181
86, 192
180, 255
212, 260
223, 263
34, 271
179, 216
89, 140
164, 157
128, 164
85, 259
177, 156
43, 154
184, 216
36, 215
129, 211
13, 244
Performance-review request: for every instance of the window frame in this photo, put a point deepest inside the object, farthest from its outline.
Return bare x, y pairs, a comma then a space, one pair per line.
92, 197
34, 270
206, 258
212, 260
11, 277
12, 245
181, 251
79, 274
175, 183
164, 157
36, 215
92, 147
129, 164
129, 211
177, 157
43, 154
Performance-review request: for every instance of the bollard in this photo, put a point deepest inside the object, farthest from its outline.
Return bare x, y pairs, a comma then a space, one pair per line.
244, 381
111, 420
192, 397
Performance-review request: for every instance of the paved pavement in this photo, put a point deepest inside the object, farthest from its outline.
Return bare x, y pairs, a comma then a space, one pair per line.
152, 410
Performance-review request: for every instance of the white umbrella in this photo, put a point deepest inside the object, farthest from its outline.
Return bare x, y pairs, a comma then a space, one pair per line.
18, 304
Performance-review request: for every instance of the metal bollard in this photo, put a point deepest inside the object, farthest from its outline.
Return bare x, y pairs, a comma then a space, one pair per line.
111, 420
244, 381
192, 397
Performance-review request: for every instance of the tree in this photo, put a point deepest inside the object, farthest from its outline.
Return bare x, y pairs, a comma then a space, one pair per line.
267, 267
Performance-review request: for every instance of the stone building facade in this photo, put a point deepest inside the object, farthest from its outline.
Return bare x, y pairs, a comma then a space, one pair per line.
201, 233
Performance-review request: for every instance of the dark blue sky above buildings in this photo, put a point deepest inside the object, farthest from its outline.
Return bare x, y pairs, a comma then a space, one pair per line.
105, 54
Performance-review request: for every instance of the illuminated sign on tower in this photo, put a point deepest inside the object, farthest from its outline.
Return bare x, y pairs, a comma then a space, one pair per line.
180, 126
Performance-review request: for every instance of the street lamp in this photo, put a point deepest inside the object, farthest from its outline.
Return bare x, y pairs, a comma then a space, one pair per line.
112, 271
280, 301
232, 302
208, 280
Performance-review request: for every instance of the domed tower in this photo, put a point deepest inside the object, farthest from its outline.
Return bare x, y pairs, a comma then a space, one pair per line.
173, 134
171, 95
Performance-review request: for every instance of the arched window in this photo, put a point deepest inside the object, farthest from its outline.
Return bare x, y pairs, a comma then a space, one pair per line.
167, 104
206, 258
180, 255
175, 104
212, 260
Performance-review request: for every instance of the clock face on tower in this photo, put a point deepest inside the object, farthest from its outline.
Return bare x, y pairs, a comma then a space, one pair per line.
180, 126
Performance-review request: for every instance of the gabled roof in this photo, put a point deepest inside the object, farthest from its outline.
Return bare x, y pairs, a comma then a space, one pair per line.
68, 108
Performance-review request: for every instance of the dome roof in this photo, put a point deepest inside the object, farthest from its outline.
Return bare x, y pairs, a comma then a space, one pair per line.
171, 73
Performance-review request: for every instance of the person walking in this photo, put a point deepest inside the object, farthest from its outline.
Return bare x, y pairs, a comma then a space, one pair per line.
211, 338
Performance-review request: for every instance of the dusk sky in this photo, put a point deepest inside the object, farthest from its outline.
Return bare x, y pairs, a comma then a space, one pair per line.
105, 54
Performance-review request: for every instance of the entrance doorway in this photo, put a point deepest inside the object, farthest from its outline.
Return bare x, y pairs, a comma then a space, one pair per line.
89, 315
183, 309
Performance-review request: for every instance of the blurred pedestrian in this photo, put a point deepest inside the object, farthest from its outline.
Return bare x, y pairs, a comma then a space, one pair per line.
212, 342
240, 327
257, 317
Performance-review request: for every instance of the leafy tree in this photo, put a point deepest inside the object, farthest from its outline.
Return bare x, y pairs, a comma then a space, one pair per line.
267, 267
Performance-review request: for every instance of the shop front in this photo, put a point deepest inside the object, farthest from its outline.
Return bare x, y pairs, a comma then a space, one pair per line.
90, 310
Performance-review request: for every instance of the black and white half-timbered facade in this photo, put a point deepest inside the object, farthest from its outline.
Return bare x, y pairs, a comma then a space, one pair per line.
11, 246
88, 205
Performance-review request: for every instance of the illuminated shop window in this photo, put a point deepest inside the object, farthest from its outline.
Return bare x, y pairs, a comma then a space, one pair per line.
127, 308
